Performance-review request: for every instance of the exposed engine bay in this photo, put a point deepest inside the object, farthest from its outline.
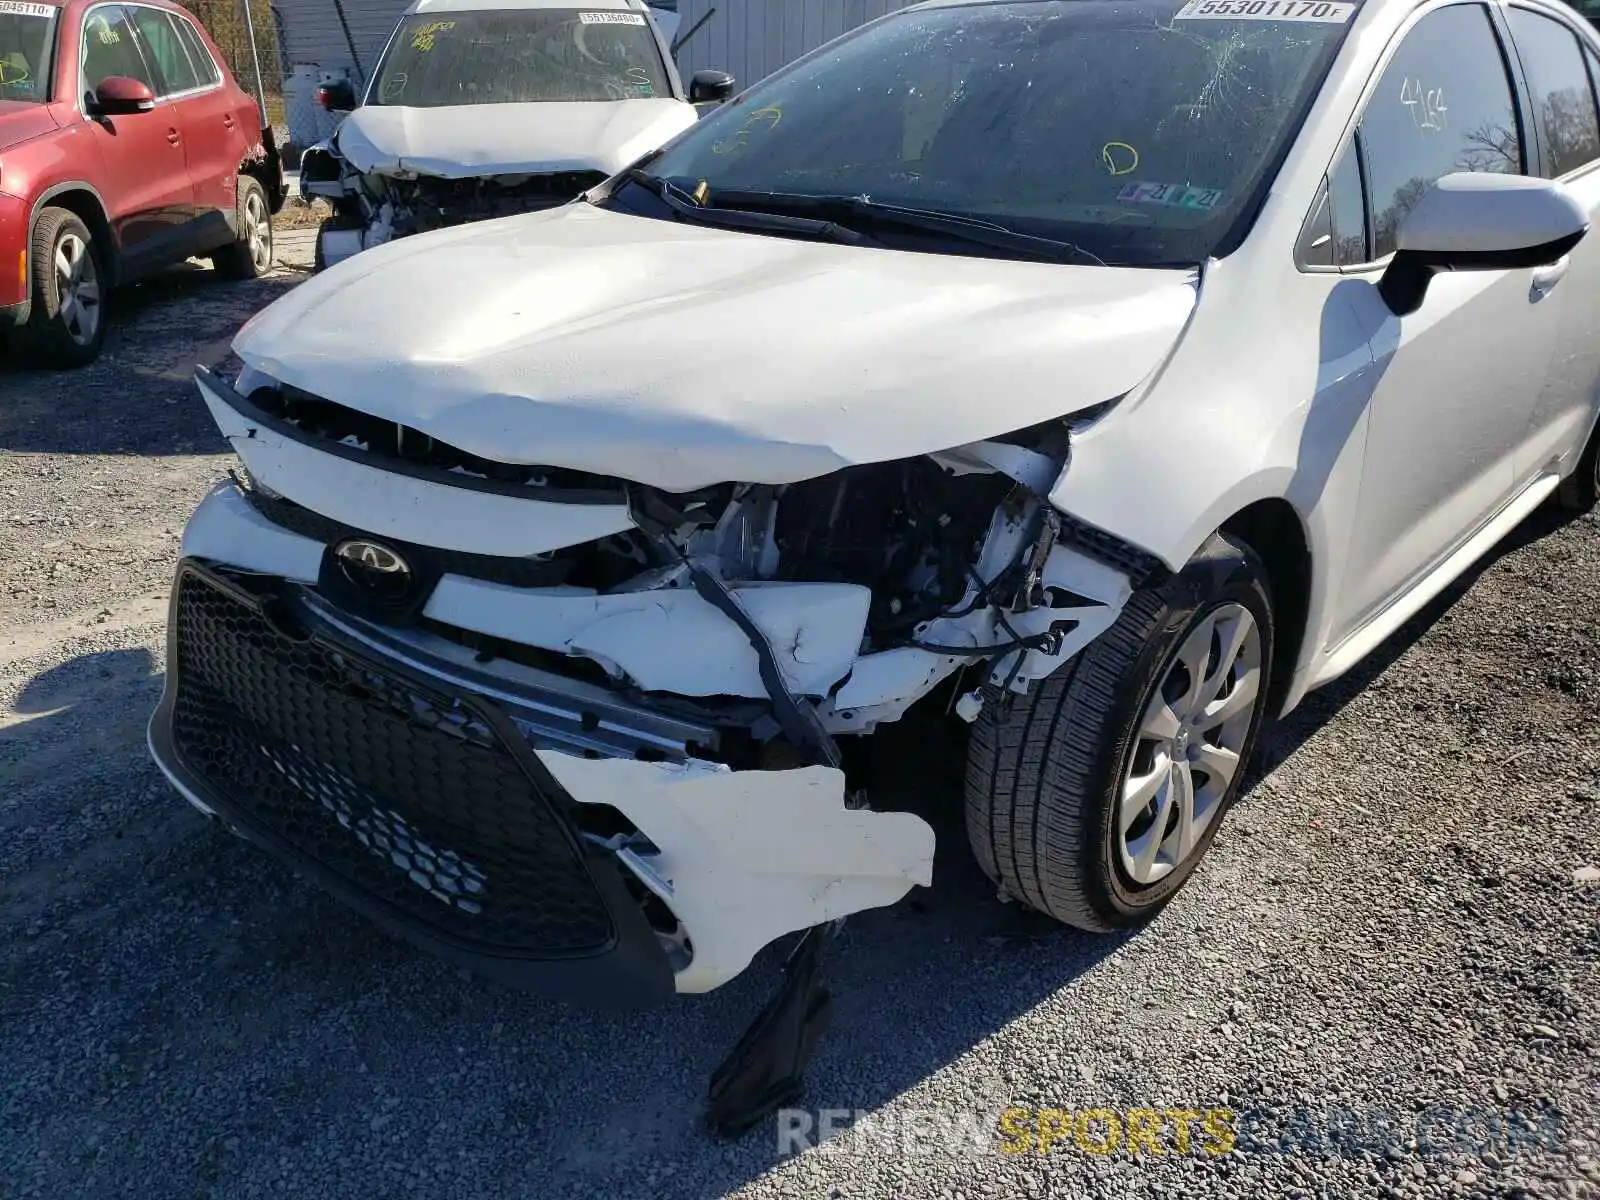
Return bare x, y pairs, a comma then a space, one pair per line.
392, 655
372, 208
870, 586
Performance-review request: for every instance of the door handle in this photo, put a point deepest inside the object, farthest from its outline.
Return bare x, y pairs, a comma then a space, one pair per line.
172, 136
1545, 278
227, 121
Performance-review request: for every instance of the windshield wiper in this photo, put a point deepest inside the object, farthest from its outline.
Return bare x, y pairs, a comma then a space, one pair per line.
687, 207
976, 230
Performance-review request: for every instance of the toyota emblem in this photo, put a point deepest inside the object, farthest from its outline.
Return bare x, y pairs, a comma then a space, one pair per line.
375, 567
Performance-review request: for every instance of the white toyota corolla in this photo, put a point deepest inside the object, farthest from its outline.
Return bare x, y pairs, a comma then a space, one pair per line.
1108, 372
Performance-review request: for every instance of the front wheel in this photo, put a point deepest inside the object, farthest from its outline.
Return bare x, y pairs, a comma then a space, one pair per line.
249, 255
1093, 798
67, 323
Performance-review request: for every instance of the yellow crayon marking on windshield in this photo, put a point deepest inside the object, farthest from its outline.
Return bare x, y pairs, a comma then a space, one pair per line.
423, 38
771, 117
1118, 164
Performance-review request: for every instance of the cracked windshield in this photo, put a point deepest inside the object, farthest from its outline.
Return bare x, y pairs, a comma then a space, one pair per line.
519, 56
1138, 130
25, 35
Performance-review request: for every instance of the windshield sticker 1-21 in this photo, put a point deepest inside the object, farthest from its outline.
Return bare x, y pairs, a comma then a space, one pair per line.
16, 8
1175, 195
1329, 12
611, 18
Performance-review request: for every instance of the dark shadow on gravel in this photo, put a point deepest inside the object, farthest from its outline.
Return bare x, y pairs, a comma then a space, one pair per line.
67, 722
138, 398
78, 680
241, 967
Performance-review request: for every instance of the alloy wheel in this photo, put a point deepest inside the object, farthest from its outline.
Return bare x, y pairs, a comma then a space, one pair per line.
1189, 743
77, 289
258, 231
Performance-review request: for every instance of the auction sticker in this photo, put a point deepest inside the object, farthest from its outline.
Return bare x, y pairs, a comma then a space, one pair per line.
1178, 195
611, 18
1329, 12
17, 8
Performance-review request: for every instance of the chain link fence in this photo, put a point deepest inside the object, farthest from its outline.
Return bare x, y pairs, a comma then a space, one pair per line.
230, 28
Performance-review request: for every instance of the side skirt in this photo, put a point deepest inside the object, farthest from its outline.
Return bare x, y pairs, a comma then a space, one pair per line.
1366, 639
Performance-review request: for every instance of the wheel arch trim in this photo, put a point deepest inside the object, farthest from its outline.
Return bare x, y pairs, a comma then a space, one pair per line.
99, 221
1279, 535
1239, 511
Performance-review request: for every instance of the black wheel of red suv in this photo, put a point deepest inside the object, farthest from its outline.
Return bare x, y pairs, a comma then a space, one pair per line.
249, 255
1093, 798
67, 322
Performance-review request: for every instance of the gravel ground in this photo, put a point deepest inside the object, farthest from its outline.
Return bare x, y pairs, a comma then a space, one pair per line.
1388, 970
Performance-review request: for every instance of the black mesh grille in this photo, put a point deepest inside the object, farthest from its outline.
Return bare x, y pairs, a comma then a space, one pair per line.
404, 794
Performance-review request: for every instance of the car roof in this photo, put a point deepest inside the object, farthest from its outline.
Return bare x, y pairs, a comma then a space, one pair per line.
431, 6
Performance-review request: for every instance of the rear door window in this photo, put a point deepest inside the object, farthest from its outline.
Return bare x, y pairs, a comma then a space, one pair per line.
1444, 104
1563, 97
165, 51
110, 48
205, 66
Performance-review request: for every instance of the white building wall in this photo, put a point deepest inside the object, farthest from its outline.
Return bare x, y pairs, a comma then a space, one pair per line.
312, 35
753, 38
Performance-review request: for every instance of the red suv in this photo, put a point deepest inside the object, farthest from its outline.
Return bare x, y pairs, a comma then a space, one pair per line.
125, 146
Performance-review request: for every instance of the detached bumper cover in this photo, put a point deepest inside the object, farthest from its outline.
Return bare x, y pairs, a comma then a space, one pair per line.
421, 808
328, 747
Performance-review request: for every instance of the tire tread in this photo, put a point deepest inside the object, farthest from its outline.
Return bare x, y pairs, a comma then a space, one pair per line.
1031, 817
1042, 769
43, 338
233, 261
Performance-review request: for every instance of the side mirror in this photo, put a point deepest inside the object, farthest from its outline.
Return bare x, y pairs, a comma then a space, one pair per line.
337, 96
119, 96
710, 87
1478, 222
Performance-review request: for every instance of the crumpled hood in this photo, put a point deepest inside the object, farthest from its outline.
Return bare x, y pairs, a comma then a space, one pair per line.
21, 121
681, 356
463, 141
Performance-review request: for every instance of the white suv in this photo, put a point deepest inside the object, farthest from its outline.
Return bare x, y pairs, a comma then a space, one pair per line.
1108, 372
490, 108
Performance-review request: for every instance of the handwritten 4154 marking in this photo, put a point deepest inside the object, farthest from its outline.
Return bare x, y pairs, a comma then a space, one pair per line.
1426, 104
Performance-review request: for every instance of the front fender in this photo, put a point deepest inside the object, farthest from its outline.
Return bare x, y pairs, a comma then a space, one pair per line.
1170, 504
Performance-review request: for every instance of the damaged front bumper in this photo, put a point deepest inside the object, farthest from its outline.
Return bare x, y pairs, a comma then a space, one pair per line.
637, 719
477, 813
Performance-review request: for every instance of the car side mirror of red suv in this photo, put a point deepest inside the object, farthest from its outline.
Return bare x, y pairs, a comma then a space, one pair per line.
118, 95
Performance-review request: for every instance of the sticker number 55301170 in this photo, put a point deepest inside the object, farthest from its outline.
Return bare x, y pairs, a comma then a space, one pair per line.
1333, 12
